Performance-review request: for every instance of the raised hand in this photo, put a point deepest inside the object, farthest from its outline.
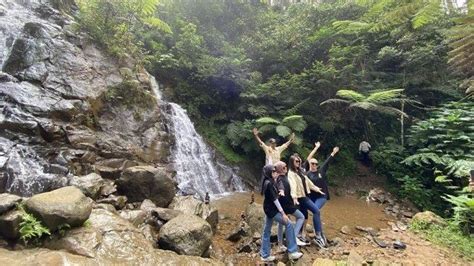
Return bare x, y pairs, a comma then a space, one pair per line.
317, 144
335, 150
255, 131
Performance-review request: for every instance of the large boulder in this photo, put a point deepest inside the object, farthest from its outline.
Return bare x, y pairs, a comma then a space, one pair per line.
66, 205
10, 225
255, 216
90, 184
8, 201
428, 218
110, 239
190, 205
146, 182
186, 235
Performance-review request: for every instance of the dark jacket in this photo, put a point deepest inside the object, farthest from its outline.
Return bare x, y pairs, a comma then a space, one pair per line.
319, 178
286, 201
269, 191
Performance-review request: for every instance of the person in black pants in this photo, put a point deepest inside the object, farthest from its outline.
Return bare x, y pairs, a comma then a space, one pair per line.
318, 175
274, 212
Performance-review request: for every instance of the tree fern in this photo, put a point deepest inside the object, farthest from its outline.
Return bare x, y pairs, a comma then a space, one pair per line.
267, 120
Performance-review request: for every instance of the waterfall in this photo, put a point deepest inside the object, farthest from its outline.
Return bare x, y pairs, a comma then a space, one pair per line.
193, 160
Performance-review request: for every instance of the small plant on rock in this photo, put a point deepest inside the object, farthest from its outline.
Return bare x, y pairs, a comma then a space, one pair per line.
30, 227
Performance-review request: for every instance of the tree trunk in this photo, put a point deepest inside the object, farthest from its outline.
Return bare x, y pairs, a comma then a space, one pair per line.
402, 133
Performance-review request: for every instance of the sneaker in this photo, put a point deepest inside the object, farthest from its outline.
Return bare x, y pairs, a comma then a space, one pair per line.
319, 242
325, 240
301, 243
268, 259
295, 255
282, 248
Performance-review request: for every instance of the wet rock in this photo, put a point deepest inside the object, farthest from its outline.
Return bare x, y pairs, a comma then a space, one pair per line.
345, 230
241, 231
188, 205
118, 202
136, 217
66, 205
186, 234
108, 189
10, 225
254, 216
377, 195
146, 182
407, 214
8, 201
105, 206
79, 241
109, 172
428, 218
163, 214
151, 234
90, 184
247, 246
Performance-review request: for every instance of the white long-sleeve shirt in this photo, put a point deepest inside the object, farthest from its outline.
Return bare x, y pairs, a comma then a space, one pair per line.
364, 146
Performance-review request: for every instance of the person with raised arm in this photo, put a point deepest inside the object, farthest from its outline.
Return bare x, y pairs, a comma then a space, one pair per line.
272, 151
300, 188
274, 212
318, 175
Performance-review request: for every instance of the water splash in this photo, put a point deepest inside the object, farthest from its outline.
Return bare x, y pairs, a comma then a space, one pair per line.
193, 160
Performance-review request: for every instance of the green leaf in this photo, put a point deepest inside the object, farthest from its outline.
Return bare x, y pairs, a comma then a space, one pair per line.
283, 131
267, 120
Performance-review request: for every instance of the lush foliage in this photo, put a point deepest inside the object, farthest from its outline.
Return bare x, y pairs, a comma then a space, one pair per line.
434, 167
448, 236
115, 24
30, 227
391, 65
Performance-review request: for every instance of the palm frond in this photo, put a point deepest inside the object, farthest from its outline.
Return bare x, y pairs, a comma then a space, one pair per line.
267, 120
427, 14
334, 101
384, 96
350, 95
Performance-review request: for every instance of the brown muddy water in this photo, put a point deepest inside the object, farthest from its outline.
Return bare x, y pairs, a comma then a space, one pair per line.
340, 211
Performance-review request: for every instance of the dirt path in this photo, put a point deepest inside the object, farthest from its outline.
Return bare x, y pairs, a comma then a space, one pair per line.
343, 210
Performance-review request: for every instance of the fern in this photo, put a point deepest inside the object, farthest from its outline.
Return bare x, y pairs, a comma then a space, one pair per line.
423, 159
30, 227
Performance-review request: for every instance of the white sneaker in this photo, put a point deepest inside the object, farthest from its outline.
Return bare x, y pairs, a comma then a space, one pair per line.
268, 259
282, 248
300, 243
295, 255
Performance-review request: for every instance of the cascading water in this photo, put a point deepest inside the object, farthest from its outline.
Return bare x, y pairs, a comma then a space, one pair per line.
193, 159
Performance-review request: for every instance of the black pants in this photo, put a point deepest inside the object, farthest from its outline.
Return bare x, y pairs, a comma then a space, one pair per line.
365, 158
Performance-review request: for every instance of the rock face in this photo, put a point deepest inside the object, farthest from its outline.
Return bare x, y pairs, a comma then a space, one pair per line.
146, 182
7, 202
186, 235
56, 120
62, 206
190, 205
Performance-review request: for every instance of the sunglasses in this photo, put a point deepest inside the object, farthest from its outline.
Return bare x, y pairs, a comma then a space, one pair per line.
297, 161
314, 163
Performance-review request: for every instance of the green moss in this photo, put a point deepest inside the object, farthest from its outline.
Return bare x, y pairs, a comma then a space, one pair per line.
131, 94
448, 236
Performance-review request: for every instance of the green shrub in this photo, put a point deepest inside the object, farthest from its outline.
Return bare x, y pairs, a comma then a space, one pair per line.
448, 236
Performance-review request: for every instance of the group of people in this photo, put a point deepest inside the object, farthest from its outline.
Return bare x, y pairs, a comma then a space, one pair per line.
292, 190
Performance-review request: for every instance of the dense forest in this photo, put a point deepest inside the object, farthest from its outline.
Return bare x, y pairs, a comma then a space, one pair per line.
396, 73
